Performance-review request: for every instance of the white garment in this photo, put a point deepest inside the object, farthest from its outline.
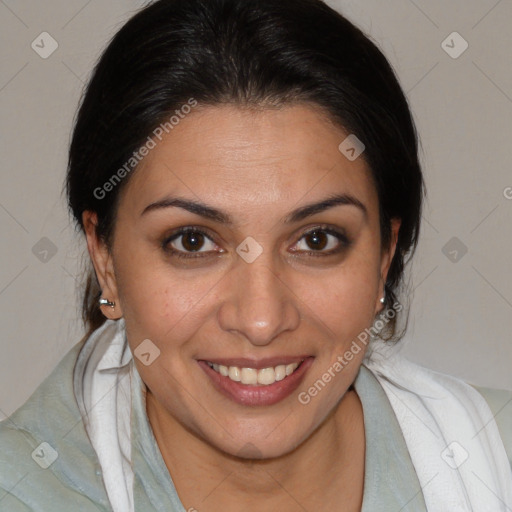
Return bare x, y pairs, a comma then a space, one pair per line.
103, 375
448, 427
451, 434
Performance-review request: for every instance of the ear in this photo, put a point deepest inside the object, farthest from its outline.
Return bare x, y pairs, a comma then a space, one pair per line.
386, 259
102, 260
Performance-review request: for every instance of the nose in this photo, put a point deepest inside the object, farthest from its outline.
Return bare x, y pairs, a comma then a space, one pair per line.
259, 304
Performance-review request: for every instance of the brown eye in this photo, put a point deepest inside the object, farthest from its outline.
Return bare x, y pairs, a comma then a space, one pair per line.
322, 242
316, 240
192, 241
187, 241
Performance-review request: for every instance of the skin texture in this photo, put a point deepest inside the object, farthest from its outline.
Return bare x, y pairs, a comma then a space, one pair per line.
257, 166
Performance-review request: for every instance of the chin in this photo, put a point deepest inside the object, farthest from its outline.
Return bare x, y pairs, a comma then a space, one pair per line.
258, 440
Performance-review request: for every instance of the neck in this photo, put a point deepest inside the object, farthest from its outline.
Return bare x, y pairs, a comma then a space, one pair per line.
326, 468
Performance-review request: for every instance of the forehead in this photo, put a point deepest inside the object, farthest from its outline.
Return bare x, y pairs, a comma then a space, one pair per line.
240, 158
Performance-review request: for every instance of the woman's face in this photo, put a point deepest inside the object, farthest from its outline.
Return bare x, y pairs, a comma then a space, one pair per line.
261, 283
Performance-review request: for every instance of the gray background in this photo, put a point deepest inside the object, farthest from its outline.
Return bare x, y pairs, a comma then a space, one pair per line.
461, 311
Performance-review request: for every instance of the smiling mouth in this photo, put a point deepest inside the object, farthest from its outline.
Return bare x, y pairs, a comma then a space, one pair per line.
257, 382
253, 376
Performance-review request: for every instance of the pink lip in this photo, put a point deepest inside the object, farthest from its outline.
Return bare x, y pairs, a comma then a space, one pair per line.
244, 394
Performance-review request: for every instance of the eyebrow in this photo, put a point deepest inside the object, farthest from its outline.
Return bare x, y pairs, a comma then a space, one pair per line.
221, 217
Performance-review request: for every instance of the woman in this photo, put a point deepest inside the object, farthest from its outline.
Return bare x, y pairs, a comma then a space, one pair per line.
247, 180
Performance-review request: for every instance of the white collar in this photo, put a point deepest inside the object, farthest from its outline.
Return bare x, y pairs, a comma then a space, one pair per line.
103, 375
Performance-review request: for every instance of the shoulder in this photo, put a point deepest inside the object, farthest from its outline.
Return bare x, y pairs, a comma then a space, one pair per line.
391, 366
47, 461
500, 403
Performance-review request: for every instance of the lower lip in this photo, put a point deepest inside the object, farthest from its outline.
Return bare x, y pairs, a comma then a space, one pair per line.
257, 395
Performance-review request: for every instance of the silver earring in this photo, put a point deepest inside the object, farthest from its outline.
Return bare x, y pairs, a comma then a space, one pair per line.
382, 300
106, 302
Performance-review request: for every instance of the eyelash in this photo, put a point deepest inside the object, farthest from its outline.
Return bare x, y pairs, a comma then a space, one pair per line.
343, 239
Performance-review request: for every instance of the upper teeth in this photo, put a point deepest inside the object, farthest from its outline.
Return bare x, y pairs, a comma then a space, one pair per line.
265, 376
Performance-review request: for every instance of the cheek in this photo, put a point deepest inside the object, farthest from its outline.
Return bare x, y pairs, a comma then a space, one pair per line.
149, 287
158, 300
344, 300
